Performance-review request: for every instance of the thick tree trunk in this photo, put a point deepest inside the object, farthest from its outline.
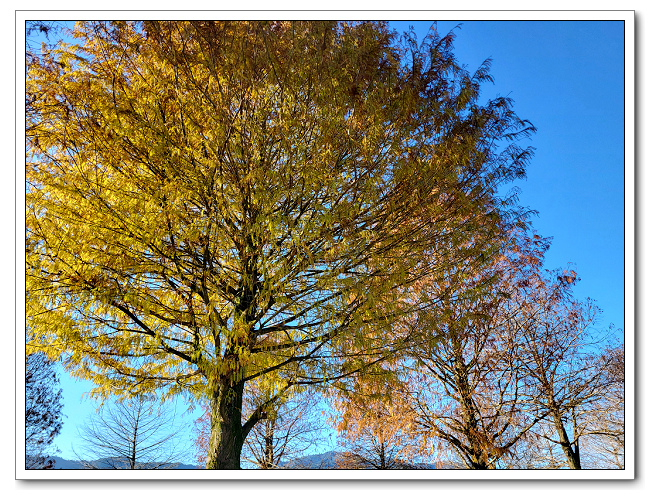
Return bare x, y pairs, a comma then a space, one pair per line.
226, 432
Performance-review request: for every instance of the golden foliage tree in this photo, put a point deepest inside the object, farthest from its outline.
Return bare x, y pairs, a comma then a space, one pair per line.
212, 203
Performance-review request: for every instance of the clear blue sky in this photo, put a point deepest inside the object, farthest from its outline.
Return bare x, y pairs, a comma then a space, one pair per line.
565, 77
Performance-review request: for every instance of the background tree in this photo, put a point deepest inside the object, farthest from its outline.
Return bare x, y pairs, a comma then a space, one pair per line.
466, 389
43, 405
605, 443
505, 357
291, 429
211, 204
559, 348
375, 427
134, 434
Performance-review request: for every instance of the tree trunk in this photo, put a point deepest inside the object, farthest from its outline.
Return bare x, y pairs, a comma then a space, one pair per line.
269, 457
134, 439
477, 450
572, 456
226, 432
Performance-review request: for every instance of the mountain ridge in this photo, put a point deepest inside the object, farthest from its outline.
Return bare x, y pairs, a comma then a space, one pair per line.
319, 461
112, 463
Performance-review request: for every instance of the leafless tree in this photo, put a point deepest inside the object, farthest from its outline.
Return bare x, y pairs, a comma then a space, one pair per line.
604, 444
292, 429
134, 434
561, 359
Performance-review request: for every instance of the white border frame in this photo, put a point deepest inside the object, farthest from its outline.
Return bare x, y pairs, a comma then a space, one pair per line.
396, 15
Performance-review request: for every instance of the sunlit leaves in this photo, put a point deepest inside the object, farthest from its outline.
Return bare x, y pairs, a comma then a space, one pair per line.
212, 203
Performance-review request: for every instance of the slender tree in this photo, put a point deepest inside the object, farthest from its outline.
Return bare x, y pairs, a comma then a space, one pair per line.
605, 443
211, 204
295, 427
43, 406
558, 350
134, 434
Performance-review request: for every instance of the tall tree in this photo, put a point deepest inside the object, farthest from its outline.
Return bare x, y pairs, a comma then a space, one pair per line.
134, 434
43, 405
466, 387
210, 204
559, 349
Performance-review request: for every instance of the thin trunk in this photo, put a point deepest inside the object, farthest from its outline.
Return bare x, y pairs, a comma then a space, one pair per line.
572, 456
268, 446
135, 437
471, 430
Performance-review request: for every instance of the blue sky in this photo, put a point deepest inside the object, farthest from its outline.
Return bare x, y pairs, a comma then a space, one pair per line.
566, 77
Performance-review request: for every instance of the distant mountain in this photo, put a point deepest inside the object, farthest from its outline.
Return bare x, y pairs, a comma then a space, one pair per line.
328, 461
109, 463
320, 461
314, 462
